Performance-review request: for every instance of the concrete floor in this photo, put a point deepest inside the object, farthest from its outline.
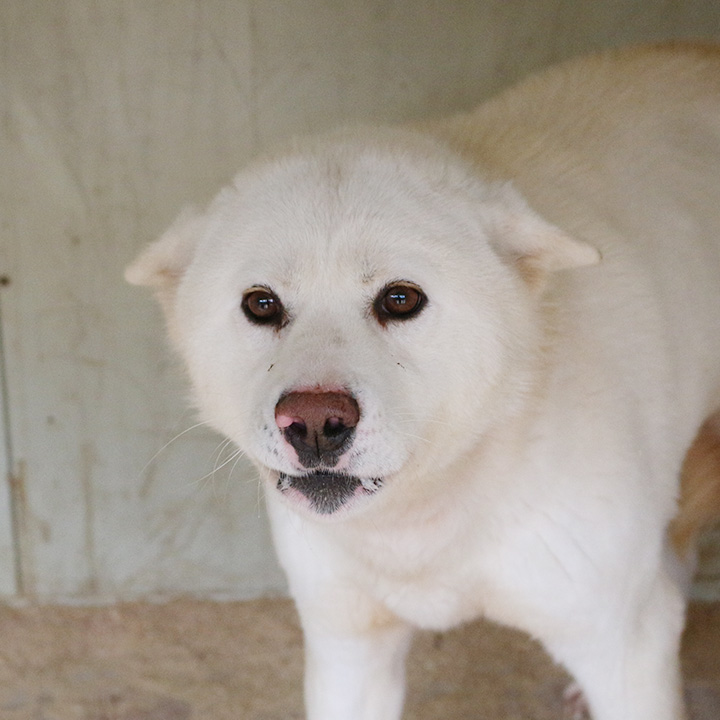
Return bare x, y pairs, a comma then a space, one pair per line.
192, 660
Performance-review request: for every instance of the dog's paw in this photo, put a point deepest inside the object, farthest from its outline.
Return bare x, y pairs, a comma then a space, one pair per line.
574, 704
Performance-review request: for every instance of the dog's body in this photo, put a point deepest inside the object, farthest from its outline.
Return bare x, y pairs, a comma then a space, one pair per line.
460, 407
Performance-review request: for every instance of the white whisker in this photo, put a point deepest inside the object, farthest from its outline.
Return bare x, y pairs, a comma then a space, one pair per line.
216, 468
414, 437
239, 455
408, 416
168, 443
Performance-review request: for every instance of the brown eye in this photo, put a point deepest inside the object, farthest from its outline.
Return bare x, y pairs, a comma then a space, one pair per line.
262, 307
399, 301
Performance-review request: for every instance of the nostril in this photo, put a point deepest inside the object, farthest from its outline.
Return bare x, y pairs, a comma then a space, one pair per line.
296, 428
333, 427
286, 421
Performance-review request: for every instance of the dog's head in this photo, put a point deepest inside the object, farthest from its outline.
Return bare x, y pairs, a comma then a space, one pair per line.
356, 311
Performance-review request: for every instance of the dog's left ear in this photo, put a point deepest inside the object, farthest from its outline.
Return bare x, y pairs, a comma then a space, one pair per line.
163, 263
530, 243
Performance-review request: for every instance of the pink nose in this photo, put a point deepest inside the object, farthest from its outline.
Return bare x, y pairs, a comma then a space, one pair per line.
319, 425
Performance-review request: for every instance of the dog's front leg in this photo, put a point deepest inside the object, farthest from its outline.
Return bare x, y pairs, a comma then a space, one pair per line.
357, 671
627, 665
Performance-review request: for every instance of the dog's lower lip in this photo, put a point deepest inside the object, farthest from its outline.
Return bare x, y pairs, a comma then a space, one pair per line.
327, 491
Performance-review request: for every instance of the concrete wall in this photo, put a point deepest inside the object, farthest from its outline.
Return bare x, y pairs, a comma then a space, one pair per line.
116, 113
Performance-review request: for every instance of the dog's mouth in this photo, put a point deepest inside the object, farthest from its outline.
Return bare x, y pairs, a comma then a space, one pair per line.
327, 492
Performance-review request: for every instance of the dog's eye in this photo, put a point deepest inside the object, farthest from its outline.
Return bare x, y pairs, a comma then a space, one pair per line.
262, 307
399, 301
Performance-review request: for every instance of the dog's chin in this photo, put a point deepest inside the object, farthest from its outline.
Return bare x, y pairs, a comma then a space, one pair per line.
326, 493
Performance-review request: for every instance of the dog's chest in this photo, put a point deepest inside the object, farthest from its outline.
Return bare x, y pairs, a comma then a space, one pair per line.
435, 601
432, 577
438, 576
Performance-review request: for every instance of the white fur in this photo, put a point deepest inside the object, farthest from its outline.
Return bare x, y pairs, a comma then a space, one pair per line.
529, 424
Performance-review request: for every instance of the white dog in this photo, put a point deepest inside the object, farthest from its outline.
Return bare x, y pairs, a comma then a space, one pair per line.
468, 359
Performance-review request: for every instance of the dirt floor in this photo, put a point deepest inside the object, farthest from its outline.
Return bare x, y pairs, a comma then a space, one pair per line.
192, 660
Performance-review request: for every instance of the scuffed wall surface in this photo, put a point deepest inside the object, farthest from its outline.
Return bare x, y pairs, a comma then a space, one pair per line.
115, 115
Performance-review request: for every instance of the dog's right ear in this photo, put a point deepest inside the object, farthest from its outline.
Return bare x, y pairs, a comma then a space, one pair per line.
535, 247
162, 264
